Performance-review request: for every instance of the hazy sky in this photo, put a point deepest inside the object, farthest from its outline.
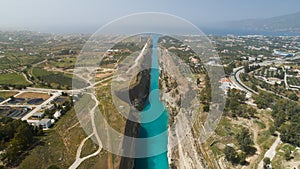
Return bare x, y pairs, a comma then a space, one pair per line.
89, 15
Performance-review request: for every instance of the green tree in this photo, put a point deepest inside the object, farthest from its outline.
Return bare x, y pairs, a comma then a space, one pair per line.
293, 96
246, 67
242, 158
272, 129
245, 141
287, 155
231, 155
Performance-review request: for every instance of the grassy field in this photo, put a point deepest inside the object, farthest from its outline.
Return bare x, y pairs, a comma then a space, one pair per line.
13, 79
59, 146
54, 79
89, 147
99, 161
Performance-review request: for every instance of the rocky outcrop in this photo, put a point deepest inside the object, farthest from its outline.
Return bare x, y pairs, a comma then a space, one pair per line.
139, 90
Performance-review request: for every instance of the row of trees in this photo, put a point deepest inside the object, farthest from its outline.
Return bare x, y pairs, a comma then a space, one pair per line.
14, 86
205, 94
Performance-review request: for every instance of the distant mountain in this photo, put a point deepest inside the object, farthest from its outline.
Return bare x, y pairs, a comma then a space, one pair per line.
285, 23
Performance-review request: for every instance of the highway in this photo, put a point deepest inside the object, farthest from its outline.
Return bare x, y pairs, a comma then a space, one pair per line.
235, 79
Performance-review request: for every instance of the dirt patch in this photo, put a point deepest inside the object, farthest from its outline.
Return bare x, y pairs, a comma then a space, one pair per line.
103, 75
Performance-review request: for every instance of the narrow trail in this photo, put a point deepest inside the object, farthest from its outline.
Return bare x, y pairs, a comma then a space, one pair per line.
78, 159
73, 126
27, 78
271, 152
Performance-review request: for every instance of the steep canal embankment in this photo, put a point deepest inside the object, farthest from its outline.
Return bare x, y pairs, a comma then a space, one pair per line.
174, 92
138, 95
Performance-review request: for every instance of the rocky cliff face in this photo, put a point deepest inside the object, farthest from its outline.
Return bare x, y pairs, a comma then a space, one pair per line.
175, 92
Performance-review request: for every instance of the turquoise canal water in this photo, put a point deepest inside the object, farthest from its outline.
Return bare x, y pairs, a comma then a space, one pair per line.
154, 109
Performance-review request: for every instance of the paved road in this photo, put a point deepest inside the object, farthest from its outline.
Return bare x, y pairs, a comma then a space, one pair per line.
235, 79
238, 82
39, 107
78, 159
285, 79
237, 71
5, 101
17, 105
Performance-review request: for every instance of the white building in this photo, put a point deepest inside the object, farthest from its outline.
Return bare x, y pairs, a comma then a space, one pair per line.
57, 114
45, 123
38, 115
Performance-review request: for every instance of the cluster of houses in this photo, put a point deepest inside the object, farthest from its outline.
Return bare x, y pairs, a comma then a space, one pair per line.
38, 118
225, 84
15, 110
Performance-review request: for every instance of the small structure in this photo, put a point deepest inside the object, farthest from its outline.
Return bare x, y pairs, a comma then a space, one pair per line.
33, 122
38, 115
50, 107
57, 114
225, 84
273, 69
45, 123
251, 59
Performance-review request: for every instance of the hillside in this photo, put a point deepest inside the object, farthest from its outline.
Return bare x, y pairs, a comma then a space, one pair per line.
286, 23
